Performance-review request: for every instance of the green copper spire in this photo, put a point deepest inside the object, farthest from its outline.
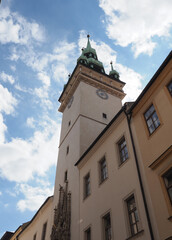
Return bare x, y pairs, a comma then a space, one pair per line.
89, 51
89, 58
113, 73
88, 43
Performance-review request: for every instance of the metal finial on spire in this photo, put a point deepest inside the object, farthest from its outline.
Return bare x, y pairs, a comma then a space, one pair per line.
88, 35
111, 65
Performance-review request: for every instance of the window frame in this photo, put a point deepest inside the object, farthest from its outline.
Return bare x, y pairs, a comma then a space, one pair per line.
34, 236
130, 218
165, 184
104, 115
67, 150
150, 117
87, 190
44, 229
170, 91
103, 175
104, 218
66, 176
86, 232
120, 150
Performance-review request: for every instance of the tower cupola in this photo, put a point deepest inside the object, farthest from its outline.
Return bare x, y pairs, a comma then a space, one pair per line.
113, 73
89, 58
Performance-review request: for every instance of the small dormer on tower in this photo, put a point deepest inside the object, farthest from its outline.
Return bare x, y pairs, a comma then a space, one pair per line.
113, 73
90, 59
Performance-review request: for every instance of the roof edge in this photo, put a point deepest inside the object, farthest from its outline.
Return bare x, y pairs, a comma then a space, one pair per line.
157, 73
35, 214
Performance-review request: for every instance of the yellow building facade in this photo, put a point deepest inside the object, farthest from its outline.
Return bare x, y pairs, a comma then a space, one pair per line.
152, 126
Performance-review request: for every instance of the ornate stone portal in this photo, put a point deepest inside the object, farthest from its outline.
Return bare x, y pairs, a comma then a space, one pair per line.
62, 216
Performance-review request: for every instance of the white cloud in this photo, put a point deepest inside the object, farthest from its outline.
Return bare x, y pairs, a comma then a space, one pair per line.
0, 193
16, 29
7, 78
106, 55
60, 72
3, 129
13, 68
63, 54
44, 78
34, 196
30, 122
22, 159
137, 22
7, 101
7, 105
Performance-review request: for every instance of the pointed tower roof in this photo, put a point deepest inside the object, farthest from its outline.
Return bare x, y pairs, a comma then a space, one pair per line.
89, 58
89, 49
113, 73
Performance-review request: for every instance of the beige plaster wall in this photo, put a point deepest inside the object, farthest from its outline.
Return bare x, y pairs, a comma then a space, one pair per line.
36, 226
110, 195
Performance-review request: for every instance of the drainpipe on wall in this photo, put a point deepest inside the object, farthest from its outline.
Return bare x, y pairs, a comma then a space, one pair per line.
128, 116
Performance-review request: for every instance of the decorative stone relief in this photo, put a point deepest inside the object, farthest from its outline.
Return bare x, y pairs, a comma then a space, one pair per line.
62, 216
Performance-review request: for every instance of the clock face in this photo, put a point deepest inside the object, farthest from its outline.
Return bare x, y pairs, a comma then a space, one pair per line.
70, 102
102, 94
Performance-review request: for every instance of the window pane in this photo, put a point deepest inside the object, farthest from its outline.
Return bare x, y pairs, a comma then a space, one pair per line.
133, 215
134, 229
87, 185
168, 183
88, 234
152, 119
123, 150
170, 193
170, 88
107, 227
103, 169
44, 231
150, 122
136, 215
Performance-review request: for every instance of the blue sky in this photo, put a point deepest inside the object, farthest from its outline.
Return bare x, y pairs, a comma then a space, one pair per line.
40, 42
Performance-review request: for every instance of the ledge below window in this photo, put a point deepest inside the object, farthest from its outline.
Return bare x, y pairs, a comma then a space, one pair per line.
135, 235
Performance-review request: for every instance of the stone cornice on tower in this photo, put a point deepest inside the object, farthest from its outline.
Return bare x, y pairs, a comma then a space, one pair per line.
93, 78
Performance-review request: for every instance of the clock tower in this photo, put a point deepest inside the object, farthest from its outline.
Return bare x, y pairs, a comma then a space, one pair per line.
89, 100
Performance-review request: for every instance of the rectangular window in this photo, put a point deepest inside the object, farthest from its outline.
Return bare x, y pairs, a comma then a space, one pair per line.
104, 115
132, 215
44, 231
88, 234
107, 227
123, 152
65, 176
67, 150
152, 119
87, 187
103, 169
34, 237
168, 183
169, 86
